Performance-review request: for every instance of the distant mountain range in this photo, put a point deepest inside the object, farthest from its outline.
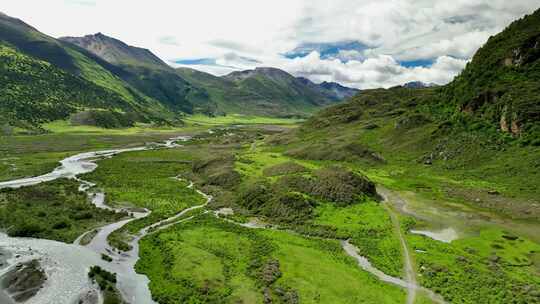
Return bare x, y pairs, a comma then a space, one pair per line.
418, 85
127, 80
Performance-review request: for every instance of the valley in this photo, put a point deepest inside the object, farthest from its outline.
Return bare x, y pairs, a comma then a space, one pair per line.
198, 249
124, 180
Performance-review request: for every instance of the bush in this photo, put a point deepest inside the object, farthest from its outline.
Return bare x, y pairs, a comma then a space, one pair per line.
284, 169
334, 184
104, 119
62, 224
342, 186
27, 228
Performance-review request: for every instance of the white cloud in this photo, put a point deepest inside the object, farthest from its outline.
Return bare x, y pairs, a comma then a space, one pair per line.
377, 71
262, 30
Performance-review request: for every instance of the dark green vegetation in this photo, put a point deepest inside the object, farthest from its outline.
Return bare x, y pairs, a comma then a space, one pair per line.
45, 79
55, 94
54, 210
210, 261
107, 284
502, 83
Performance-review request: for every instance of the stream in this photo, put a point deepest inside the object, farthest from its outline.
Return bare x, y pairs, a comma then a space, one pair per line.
67, 265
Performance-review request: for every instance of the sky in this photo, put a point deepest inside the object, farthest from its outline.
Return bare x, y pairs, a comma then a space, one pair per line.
358, 43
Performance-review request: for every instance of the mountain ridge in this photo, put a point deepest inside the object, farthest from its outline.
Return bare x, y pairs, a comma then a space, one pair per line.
114, 50
153, 89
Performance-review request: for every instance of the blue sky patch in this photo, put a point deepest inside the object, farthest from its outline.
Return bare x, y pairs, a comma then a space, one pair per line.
328, 50
417, 63
197, 61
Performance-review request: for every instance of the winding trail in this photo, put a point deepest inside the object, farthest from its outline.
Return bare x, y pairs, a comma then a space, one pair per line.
410, 272
391, 201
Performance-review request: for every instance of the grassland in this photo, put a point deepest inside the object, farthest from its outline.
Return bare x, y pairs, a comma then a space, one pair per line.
366, 223
24, 155
238, 119
369, 227
145, 180
209, 260
492, 267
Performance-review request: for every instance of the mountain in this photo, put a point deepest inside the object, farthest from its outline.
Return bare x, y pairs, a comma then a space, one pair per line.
266, 91
502, 82
115, 51
274, 93
485, 124
144, 71
278, 86
331, 90
34, 91
70, 71
87, 71
418, 85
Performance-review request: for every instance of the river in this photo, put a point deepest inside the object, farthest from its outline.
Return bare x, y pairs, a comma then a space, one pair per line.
67, 265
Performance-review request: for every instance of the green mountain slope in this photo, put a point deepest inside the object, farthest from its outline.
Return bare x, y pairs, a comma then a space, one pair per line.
35, 91
502, 83
115, 51
65, 56
145, 85
144, 71
266, 91
279, 87
483, 126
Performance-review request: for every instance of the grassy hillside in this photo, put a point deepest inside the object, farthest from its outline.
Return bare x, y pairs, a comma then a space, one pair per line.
80, 71
266, 92
144, 71
35, 91
150, 86
66, 57
478, 134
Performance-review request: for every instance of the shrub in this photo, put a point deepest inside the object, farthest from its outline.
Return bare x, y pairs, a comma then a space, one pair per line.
284, 169
333, 184
28, 228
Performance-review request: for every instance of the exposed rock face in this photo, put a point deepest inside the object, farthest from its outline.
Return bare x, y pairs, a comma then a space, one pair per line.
509, 122
270, 272
527, 53
24, 281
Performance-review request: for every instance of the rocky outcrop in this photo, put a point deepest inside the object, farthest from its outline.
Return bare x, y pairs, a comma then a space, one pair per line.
525, 54
24, 280
509, 122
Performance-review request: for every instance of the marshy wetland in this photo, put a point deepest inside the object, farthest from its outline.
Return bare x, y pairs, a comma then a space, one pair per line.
174, 223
